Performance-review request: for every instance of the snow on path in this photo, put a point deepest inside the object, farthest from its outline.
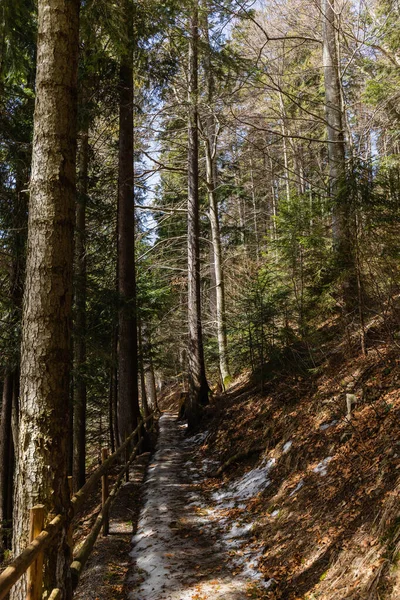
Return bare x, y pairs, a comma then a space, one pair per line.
177, 552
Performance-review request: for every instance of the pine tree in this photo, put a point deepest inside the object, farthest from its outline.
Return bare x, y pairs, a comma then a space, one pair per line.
198, 386
41, 474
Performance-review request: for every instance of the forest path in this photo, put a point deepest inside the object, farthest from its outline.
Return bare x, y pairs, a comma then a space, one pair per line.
177, 553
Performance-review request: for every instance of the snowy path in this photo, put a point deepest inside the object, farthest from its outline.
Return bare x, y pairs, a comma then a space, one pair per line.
177, 552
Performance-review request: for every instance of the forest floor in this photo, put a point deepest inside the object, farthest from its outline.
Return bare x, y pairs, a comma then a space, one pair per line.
311, 492
281, 494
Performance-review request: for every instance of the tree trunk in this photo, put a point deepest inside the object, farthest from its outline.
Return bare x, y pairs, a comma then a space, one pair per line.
128, 395
337, 150
150, 380
284, 147
114, 387
79, 421
198, 387
9, 417
211, 135
15, 413
6, 462
151, 387
145, 406
219, 277
255, 220
41, 470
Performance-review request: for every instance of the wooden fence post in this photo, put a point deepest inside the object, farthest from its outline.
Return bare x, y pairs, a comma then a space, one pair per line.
104, 493
35, 571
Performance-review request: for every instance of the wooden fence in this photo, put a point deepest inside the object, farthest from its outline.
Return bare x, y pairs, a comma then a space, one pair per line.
30, 561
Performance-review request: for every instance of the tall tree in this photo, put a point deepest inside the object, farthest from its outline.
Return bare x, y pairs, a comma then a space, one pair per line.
6, 460
210, 143
79, 420
41, 473
198, 386
8, 429
128, 394
335, 122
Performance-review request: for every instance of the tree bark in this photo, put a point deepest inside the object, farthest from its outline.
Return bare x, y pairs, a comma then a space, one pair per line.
149, 376
145, 406
334, 114
198, 387
79, 420
219, 275
151, 387
6, 461
211, 135
41, 471
114, 387
128, 394
9, 417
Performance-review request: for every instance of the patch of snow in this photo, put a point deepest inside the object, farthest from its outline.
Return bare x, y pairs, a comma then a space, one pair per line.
197, 439
247, 486
235, 537
325, 426
322, 467
239, 530
297, 488
287, 446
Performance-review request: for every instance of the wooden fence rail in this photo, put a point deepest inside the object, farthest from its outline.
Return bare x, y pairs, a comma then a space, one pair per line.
30, 559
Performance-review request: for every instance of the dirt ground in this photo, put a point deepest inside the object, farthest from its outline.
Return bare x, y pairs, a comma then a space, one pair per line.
328, 520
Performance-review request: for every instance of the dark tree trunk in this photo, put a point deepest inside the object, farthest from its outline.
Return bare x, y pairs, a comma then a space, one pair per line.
79, 420
15, 415
9, 417
114, 388
128, 395
145, 406
198, 387
111, 415
42, 454
6, 462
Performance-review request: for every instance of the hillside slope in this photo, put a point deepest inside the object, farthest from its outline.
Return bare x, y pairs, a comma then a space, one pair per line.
314, 491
